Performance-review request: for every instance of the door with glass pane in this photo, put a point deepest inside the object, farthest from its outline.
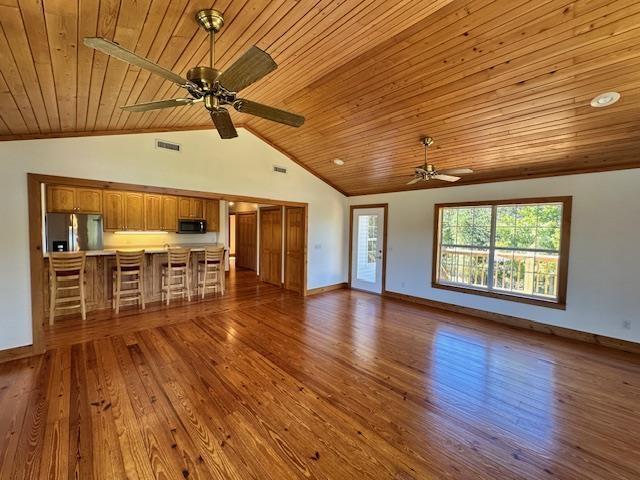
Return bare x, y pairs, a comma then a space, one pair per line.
367, 249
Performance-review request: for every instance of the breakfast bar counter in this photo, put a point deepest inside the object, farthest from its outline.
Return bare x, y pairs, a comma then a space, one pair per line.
99, 273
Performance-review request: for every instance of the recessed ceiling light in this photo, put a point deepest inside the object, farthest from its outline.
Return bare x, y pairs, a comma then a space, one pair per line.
231, 204
338, 161
605, 99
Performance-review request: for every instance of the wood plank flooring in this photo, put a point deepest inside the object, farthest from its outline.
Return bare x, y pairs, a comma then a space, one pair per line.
267, 385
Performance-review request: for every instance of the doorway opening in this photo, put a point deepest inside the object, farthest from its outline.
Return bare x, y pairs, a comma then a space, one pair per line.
269, 240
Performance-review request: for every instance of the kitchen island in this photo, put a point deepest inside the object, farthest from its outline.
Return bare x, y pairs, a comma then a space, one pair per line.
99, 273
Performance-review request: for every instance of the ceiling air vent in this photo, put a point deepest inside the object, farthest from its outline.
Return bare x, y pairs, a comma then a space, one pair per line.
168, 145
278, 169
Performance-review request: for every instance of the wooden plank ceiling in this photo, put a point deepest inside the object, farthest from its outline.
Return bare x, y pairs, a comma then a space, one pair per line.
503, 86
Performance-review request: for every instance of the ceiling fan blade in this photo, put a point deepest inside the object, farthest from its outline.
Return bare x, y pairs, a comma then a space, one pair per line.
249, 68
110, 48
270, 113
456, 171
223, 123
144, 107
415, 180
446, 178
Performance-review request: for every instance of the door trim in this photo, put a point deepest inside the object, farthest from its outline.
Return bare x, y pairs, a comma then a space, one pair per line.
385, 207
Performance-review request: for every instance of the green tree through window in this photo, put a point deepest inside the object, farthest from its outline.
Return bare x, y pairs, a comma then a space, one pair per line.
509, 248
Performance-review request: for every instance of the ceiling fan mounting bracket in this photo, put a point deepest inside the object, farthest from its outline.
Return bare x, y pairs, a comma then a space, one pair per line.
210, 20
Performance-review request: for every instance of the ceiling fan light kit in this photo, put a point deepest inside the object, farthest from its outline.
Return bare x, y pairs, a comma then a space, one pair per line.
428, 171
215, 89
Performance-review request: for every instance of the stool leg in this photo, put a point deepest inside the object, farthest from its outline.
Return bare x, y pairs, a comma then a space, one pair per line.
52, 299
169, 281
187, 278
202, 283
141, 286
118, 289
83, 305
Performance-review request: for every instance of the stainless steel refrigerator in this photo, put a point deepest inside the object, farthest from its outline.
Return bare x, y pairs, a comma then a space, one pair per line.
72, 232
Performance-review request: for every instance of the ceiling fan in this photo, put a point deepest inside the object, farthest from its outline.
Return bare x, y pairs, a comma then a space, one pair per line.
426, 172
216, 90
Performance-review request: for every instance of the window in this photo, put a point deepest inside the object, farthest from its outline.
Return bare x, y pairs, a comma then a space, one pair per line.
514, 249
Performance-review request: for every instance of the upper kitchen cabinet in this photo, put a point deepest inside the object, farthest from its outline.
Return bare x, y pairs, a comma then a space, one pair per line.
65, 199
152, 211
212, 215
133, 211
192, 208
113, 211
169, 213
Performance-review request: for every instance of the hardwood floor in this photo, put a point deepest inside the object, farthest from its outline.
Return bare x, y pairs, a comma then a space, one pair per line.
266, 384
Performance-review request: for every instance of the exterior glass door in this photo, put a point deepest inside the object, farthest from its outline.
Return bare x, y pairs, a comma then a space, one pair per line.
367, 249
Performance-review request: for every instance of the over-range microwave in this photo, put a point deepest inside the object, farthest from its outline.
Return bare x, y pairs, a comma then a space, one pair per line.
192, 226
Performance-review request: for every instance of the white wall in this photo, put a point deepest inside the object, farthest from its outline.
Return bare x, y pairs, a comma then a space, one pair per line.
241, 166
604, 261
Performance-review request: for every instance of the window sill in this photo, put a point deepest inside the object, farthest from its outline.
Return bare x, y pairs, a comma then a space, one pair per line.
502, 296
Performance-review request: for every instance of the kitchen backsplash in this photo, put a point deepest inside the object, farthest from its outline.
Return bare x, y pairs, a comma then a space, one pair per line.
142, 239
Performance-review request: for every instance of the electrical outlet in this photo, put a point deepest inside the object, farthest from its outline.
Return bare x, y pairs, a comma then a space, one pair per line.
318, 246
626, 324
402, 284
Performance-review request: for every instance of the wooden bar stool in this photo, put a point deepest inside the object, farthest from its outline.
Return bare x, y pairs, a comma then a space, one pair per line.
211, 270
128, 272
66, 274
176, 274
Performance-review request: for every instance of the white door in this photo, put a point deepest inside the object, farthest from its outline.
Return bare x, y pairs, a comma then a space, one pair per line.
367, 249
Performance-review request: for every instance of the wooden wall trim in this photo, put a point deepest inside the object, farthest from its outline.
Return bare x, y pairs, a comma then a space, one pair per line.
522, 323
17, 353
328, 288
36, 265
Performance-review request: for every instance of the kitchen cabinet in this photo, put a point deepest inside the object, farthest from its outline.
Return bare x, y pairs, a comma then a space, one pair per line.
64, 199
88, 200
152, 211
192, 208
113, 218
133, 211
212, 215
169, 213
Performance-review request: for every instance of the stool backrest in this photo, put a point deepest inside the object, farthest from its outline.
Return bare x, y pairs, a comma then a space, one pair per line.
61, 262
214, 254
129, 259
178, 255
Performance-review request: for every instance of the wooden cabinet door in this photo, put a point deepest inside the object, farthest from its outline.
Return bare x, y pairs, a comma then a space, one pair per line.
113, 210
197, 208
246, 233
184, 207
212, 215
61, 198
169, 213
88, 200
152, 211
271, 245
294, 249
134, 211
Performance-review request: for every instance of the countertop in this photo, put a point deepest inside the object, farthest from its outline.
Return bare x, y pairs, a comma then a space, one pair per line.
195, 247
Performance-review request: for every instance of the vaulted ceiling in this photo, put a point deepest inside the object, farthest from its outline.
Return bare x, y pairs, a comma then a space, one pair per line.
503, 86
